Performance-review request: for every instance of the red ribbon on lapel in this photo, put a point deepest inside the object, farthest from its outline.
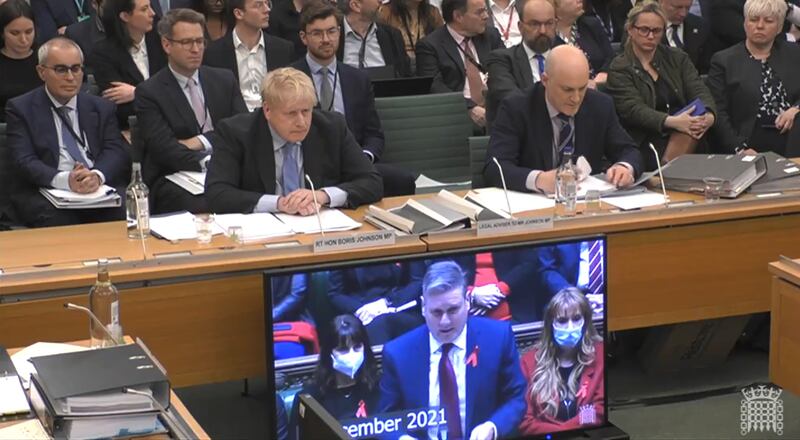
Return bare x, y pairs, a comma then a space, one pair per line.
583, 391
361, 413
473, 357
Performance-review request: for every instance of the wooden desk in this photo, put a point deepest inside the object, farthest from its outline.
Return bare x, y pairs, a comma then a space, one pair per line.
784, 344
175, 403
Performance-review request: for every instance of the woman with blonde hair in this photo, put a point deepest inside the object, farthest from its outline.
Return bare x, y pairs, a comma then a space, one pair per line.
564, 369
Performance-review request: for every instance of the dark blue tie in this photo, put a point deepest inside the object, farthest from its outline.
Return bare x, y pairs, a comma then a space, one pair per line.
540, 60
290, 169
675, 37
565, 137
67, 139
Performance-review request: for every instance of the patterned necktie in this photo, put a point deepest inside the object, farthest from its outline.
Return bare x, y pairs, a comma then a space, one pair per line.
325, 91
290, 171
473, 75
69, 141
448, 394
198, 107
595, 267
540, 60
565, 137
676, 38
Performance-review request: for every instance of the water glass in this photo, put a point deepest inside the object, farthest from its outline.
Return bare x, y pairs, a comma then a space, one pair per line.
204, 224
592, 200
713, 188
236, 234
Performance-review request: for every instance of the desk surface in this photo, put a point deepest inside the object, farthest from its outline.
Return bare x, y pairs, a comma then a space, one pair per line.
787, 269
175, 403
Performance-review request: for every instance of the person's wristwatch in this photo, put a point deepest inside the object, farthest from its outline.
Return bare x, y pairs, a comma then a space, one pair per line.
741, 148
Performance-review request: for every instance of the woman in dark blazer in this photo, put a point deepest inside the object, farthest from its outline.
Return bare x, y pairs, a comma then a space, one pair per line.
651, 83
586, 33
130, 53
757, 86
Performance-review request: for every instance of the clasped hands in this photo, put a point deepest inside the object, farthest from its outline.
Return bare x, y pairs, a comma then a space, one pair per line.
82, 180
694, 126
301, 202
485, 298
370, 311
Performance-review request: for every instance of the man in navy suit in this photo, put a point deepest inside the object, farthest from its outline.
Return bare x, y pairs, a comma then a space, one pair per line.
53, 16
60, 138
468, 367
688, 32
534, 129
348, 91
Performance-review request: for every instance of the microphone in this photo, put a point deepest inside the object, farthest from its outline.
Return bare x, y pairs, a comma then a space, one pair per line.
173, 424
505, 189
660, 175
316, 205
94, 318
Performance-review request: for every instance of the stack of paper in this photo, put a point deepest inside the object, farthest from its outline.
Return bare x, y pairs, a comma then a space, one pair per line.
636, 201
12, 396
104, 197
333, 220
28, 430
495, 199
256, 226
180, 226
192, 181
425, 184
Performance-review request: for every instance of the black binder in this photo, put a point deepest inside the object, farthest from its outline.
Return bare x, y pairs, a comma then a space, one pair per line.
686, 173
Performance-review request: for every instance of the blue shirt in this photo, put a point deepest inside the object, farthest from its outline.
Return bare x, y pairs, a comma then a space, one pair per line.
316, 75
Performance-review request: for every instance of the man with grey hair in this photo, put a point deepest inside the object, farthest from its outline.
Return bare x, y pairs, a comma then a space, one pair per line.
64, 139
366, 44
466, 366
178, 108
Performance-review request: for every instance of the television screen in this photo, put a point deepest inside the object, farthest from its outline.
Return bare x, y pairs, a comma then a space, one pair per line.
505, 340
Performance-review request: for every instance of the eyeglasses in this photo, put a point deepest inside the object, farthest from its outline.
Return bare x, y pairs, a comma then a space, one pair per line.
318, 33
645, 31
62, 69
262, 4
533, 24
480, 12
188, 43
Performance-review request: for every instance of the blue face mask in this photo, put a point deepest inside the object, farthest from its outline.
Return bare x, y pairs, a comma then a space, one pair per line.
567, 337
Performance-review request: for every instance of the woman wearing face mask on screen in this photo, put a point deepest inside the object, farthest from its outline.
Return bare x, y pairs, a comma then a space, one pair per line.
564, 368
346, 379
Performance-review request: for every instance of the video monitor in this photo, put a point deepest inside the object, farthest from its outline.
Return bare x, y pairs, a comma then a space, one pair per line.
506, 339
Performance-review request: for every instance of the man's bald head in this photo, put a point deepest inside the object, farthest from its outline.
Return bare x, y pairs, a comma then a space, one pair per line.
566, 78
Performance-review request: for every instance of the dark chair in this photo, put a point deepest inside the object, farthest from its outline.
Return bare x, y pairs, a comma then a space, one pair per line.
477, 159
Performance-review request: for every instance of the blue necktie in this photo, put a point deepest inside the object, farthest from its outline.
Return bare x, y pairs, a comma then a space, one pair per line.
565, 137
290, 170
540, 60
675, 37
67, 139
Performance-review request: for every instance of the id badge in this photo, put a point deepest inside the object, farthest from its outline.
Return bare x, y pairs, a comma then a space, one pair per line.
83, 17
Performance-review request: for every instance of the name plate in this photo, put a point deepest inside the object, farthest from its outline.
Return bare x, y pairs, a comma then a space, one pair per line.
507, 226
355, 241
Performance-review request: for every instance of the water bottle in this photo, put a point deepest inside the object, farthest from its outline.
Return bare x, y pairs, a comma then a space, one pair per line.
136, 205
567, 187
104, 304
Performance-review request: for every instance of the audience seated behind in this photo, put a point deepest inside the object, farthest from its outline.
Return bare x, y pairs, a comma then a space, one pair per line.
178, 109
53, 16
351, 93
586, 33
305, 141
17, 57
504, 16
248, 46
130, 53
44, 148
693, 33
651, 83
726, 22
414, 20
612, 15
455, 54
285, 23
535, 128
217, 17
756, 86
171, 4
88, 32
519, 67
383, 46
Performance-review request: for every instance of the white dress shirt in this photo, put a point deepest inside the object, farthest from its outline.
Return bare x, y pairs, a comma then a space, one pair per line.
65, 161
506, 21
252, 66
671, 34
373, 57
460, 43
182, 82
458, 361
139, 54
537, 75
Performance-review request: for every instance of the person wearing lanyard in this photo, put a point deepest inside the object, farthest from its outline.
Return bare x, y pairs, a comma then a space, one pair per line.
364, 43
414, 19
504, 18
53, 16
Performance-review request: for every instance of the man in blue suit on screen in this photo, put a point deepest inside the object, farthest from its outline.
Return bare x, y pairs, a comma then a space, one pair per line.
466, 367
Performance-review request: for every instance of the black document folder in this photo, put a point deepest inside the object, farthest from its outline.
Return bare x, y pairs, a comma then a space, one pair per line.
686, 173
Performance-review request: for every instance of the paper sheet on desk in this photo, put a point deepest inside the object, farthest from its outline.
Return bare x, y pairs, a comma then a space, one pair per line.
12, 396
494, 198
177, 227
27, 430
333, 220
25, 368
254, 226
635, 201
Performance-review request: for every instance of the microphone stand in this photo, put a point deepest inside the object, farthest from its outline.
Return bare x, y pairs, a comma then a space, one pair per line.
316, 205
505, 189
660, 176
94, 318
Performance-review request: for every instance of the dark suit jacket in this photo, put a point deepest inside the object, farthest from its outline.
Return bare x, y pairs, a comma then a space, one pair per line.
438, 56
397, 283
112, 62
221, 53
284, 22
522, 137
85, 33
727, 21
735, 81
594, 42
52, 14
359, 106
697, 42
34, 146
558, 267
392, 49
615, 15
495, 386
165, 116
242, 168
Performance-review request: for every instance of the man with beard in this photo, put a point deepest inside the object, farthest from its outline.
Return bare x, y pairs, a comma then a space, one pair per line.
521, 66
366, 44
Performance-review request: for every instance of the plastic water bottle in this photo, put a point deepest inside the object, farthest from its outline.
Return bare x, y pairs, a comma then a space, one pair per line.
136, 205
104, 304
567, 187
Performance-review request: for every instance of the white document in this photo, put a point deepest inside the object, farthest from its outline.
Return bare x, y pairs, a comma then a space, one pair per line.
178, 227
494, 199
104, 197
25, 368
635, 201
593, 183
12, 396
332, 220
192, 181
255, 226
27, 430
424, 181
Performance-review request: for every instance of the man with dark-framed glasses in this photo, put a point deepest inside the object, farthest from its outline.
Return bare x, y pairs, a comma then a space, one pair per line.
64, 139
